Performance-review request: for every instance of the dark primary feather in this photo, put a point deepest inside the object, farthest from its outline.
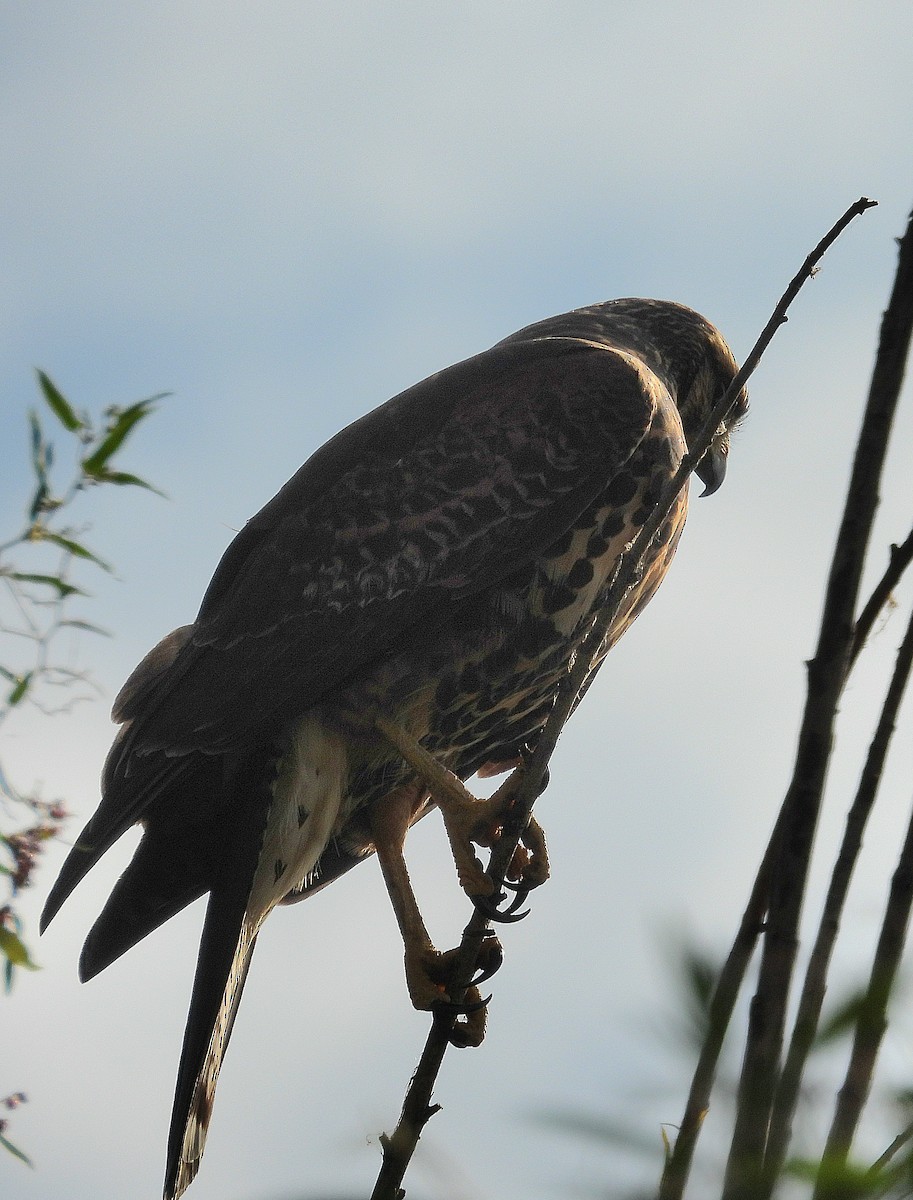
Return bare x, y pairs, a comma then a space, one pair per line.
173, 865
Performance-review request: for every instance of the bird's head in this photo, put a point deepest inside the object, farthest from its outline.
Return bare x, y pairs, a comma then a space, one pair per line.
681, 347
692, 358
699, 396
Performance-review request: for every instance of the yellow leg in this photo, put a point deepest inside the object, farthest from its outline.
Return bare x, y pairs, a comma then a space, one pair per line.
427, 969
468, 819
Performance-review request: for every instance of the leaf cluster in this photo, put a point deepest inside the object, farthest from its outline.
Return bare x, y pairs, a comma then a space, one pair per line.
37, 588
36, 594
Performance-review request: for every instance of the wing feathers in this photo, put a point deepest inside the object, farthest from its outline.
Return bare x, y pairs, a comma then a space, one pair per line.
121, 806
435, 496
319, 584
453, 487
168, 871
124, 799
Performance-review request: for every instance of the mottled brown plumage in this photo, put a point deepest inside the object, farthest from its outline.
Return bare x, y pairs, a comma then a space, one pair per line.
435, 565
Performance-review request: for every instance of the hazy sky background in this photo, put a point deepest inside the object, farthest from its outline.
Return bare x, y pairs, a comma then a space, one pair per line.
285, 213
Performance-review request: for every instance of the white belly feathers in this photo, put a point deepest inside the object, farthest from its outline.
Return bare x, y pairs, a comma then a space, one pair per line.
307, 794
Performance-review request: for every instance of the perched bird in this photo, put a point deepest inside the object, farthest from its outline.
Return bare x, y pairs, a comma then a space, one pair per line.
419, 587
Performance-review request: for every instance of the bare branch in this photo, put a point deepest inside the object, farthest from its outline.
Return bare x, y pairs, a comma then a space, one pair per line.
417, 1107
827, 673
678, 1163
722, 1004
897, 1144
813, 989
899, 560
872, 1020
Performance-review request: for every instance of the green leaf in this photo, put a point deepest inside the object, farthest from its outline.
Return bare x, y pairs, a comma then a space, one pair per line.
86, 627
838, 1177
103, 475
59, 585
855, 1009
58, 405
39, 500
122, 421
15, 1151
15, 950
37, 439
74, 548
605, 1130
19, 690
39, 464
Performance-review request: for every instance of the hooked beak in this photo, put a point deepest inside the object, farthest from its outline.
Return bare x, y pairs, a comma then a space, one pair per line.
711, 470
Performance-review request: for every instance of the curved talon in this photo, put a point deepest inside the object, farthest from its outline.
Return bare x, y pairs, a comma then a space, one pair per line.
506, 915
492, 952
519, 898
527, 881
508, 918
485, 974
463, 1009
516, 886
468, 1019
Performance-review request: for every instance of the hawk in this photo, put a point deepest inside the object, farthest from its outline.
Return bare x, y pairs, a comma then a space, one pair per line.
396, 619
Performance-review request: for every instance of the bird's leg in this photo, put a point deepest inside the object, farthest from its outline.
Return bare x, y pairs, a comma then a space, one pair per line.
465, 816
428, 971
469, 820
389, 825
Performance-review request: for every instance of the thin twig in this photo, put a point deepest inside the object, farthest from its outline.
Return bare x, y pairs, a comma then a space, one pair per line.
812, 997
417, 1106
399, 1147
678, 1163
883, 1159
722, 1004
827, 673
900, 558
732, 973
871, 1022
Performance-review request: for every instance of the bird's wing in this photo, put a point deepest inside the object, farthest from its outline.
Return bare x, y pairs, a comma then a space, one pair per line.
435, 496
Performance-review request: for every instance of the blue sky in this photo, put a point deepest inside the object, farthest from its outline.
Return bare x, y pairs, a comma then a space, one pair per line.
285, 213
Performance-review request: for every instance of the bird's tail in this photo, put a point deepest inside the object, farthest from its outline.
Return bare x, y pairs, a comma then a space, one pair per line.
274, 844
225, 953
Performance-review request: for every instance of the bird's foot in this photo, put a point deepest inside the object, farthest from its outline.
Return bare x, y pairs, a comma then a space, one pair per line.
430, 978
529, 865
471, 822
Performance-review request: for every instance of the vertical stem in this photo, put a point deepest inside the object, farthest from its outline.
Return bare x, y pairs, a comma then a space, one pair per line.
813, 990
725, 994
872, 1021
827, 673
